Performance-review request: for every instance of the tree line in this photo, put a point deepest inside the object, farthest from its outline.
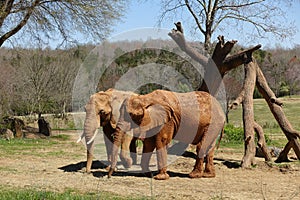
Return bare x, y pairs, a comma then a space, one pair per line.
38, 81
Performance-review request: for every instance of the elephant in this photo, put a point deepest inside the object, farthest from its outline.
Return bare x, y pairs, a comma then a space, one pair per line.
102, 109
193, 118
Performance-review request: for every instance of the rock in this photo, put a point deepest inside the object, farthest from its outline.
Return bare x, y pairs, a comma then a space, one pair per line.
274, 151
15, 125
6, 134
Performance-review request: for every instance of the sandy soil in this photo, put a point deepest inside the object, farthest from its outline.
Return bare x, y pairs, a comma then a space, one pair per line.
66, 172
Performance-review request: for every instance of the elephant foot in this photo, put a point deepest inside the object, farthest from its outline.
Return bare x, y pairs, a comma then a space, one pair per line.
209, 174
209, 171
163, 176
110, 172
107, 168
196, 173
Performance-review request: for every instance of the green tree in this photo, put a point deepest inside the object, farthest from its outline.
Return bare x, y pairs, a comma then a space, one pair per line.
41, 20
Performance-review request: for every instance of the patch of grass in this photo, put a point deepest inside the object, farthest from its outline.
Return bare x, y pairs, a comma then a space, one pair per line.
62, 137
33, 194
264, 117
54, 146
19, 147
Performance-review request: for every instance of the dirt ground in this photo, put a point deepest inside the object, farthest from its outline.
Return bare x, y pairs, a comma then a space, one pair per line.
66, 172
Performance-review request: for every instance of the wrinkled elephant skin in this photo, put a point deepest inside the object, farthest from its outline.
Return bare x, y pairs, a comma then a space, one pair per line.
193, 118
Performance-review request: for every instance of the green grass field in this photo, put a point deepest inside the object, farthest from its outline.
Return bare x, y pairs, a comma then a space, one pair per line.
265, 118
31, 194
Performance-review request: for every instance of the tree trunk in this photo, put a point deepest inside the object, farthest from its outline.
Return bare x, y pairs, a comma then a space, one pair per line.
207, 45
261, 143
248, 115
276, 109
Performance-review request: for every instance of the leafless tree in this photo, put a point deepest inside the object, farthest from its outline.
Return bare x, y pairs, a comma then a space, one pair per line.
261, 16
67, 63
254, 77
7, 84
35, 74
40, 20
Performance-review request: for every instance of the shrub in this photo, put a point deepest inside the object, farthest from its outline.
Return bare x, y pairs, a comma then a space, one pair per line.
233, 134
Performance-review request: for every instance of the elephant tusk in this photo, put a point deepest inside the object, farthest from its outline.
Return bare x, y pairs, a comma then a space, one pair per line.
80, 138
92, 139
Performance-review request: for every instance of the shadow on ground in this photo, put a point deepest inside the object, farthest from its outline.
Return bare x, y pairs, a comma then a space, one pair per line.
99, 168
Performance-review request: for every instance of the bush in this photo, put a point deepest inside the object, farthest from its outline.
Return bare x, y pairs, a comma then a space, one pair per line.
233, 134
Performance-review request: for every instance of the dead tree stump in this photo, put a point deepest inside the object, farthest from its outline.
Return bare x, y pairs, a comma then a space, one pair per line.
44, 127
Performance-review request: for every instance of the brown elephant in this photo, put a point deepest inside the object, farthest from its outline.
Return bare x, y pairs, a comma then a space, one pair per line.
102, 109
158, 117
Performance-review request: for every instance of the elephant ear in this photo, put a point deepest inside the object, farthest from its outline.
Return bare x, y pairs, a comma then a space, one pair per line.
155, 116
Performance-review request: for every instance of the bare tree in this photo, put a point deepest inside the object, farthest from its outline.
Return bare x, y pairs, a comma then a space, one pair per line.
261, 16
292, 75
67, 64
253, 78
36, 72
52, 19
7, 84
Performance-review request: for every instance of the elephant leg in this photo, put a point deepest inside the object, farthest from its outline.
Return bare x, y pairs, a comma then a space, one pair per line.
209, 171
90, 156
125, 159
133, 153
148, 148
198, 167
163, 138
108, 140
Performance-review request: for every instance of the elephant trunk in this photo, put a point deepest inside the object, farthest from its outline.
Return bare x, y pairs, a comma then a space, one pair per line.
118, 135
90, 131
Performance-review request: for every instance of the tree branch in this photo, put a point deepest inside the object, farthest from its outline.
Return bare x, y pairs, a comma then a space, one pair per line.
224, 7
262, 141
5, 10
194, 16
178, 37
20, 25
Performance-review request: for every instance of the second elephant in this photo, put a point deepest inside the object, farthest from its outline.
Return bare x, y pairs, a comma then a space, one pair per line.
158, 117
102, 109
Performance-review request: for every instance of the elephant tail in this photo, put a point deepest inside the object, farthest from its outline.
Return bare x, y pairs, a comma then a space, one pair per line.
221, 136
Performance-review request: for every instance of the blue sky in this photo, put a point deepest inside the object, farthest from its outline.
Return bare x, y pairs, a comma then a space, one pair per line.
146, 14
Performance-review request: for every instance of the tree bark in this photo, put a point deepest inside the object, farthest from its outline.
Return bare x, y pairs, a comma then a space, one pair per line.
248, 115
261, 143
